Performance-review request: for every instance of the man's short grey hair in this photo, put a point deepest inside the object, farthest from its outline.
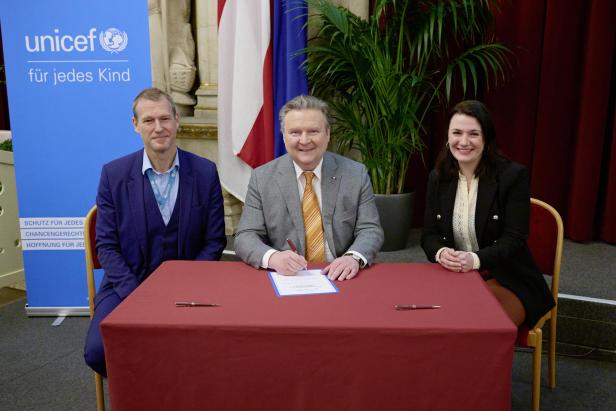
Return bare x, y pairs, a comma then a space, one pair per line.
153, 94
303, 102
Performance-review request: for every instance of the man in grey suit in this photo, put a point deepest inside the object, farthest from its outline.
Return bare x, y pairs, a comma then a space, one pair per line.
276, 228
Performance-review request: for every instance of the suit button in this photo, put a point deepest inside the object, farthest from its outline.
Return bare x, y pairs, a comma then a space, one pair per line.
444, 238
438, 216
495, 217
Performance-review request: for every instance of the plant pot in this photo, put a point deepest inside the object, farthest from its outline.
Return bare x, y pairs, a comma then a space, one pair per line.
396, 211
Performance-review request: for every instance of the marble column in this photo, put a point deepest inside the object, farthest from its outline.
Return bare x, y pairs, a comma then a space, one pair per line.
207, 56
206, 110
172, 50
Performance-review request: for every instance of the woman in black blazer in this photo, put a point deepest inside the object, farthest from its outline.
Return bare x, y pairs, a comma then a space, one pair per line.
477, 215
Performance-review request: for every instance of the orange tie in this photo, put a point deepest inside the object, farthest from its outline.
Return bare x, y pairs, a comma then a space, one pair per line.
313, 224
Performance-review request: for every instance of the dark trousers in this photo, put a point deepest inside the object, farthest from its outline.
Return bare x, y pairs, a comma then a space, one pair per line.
94, 353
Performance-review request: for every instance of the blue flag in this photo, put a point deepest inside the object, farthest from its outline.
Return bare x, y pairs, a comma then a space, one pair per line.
289, 78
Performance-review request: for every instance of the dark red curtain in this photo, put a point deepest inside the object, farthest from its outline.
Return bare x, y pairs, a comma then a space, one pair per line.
555, 113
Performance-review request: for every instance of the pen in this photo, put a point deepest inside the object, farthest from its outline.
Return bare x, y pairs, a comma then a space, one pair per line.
194, 304
292, 245
401, 307
293, 248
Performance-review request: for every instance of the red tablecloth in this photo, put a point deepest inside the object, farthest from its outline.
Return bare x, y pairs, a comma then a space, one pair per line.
344, 351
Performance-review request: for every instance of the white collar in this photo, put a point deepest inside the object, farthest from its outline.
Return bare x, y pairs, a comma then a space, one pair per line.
316, 171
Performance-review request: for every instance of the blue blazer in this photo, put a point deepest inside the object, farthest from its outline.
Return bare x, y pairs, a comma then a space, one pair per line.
121, 233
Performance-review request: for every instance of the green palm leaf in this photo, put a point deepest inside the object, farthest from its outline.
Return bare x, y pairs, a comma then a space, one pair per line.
384, 75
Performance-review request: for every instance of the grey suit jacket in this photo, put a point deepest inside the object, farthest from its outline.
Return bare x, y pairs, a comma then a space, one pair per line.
273, 212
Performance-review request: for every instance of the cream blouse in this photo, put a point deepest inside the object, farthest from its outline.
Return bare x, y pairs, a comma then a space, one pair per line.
464, 235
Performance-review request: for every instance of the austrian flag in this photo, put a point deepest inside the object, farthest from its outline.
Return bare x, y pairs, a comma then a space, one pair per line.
258, 72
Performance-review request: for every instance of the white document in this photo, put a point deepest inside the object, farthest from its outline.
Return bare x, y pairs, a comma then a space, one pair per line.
303, 283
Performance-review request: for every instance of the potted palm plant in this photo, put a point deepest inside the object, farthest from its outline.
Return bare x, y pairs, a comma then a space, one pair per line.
383, 76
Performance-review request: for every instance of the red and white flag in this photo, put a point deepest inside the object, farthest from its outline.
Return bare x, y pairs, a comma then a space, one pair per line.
245, 103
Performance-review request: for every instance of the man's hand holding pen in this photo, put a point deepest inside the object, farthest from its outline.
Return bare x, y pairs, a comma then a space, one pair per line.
287, 262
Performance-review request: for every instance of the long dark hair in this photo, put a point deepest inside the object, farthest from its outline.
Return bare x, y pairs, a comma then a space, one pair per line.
447, 165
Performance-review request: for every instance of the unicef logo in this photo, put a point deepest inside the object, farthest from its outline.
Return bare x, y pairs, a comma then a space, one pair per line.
113, 40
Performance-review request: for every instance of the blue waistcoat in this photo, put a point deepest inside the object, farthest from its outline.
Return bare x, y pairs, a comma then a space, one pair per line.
162, 240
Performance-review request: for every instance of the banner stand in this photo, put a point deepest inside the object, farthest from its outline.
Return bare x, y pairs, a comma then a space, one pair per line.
72, 70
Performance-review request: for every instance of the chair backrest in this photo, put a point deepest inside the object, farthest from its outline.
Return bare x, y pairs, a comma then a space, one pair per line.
92, 262
545, 240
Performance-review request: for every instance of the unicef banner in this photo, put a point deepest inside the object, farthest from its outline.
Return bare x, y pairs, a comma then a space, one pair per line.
72, 68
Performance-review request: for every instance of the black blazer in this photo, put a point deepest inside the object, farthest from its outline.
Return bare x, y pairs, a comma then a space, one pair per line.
501, 224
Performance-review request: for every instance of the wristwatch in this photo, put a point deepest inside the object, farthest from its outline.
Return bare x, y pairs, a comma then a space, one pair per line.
357, 258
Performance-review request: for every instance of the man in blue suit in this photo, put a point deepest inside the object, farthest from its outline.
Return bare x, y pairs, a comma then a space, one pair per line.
160, 203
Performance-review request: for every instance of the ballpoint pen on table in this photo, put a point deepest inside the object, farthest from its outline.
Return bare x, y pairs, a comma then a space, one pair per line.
194, 304
403, 307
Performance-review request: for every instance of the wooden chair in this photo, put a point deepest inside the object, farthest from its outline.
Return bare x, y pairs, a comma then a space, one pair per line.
545, 240
92, 263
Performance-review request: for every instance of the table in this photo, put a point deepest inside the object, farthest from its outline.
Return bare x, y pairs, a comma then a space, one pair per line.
346, 351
